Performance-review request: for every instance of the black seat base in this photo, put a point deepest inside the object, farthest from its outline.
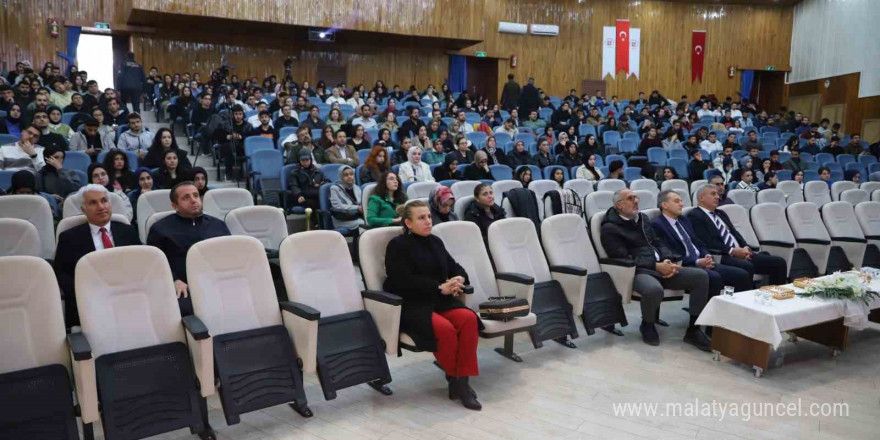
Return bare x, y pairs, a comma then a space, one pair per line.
149, 391
257, 369
603, 306
38, 404
350, 353
837, 261
802, 265
872, 256
554, 313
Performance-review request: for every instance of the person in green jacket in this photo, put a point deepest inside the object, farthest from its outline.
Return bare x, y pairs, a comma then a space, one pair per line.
386, 198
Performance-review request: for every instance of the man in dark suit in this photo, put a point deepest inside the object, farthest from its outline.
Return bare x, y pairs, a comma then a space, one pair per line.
676, 231
714, 228
98, 233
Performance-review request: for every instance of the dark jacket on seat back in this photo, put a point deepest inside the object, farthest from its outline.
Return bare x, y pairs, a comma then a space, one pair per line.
525, 204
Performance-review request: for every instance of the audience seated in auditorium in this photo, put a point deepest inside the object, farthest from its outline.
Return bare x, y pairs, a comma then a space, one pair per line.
54, 179
615, 170
483, 211
121, 177
414, 169
588, 170
171, 171
544, 157
435, 154
441, 201
56, 125
479, 168
627, 233
448, 170
47, 137
296, 142
341, 152
144, 179
825, 176
98, 233
346, 207
25, 154
382, 206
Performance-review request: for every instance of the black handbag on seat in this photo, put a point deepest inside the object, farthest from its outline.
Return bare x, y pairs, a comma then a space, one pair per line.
504, 308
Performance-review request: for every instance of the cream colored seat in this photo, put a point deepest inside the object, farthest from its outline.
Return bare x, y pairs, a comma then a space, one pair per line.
646, 185
844, 230
119, 204
558, 290
154, 219
265, 223
19, 237
868, 216
855, 196
772, 195
541, 187
743, 197
611, 185
36, 210
771, 230
839, 187
810, 233
674, 184
598, 202
647, 199
340, 331
792, 190
251, 348
464, 242
148, 204
580, 186
420, 190
817, 193
218, 202
464, 188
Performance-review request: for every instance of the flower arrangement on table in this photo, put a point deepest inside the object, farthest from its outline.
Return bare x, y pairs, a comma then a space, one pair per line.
852, 286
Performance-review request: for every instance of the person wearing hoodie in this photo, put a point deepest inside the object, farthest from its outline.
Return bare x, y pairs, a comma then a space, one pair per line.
91, 140
137, 138
305, 183
346, 204
53, 178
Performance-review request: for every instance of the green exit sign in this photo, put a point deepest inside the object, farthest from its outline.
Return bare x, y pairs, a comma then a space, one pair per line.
770, 67
481, 54
101, 25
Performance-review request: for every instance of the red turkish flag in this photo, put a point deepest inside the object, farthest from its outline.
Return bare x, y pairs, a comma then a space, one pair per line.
698, 54
622, 49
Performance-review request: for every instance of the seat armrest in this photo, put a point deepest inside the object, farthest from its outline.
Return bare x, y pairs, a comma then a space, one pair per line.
196, 327
79, 346
716, 251
622, 262
382, 297
872, 237
773, 243
301, 322
84, 378
569, 270
849, 239
467, 290
385, 310
622, 275
301, 310
515, 278
813, 241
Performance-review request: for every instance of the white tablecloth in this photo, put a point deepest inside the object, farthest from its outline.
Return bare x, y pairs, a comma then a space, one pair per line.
741, 313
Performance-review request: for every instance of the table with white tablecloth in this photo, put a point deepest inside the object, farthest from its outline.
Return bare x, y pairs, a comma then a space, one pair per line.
747, 329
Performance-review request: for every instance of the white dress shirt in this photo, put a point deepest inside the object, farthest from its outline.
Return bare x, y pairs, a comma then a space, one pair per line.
96, 235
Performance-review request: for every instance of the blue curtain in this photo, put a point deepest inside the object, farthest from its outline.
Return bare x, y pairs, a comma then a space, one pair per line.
72, 43
748, 78
457, 73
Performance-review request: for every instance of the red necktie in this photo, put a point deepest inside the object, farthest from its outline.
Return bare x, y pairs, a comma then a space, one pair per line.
105, 239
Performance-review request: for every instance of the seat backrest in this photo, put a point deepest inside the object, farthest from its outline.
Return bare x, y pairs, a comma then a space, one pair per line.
150, 203
695, 185
265, 223
500, 186
854, 196
652, 213
768, 220
366, 192
154, 219
464, 242
36, 210
772, 195
673, 184
464, 188
580, 186
515, 248
645, 185
739, 217
596, 234
839, 187
462, 204
318, 272
868, 216
541, 187
817, 192
20, 237
743, 197
685, 198
71, 222
806, 222
420, 190
792, 190
598, 201
610, 185
73, 205
31, 318
566, 242
840, 220
126, 299
869, 187
231, 285
371, 249
647, 199
218, 202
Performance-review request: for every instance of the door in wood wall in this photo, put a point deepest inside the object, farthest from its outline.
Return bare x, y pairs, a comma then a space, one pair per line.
807, 104
834, 113
871, 130
332, 75
482, 78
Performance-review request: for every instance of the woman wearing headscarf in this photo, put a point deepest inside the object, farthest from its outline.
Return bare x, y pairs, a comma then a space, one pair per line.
23, 182
53, 178
414, 170
479, 169
852, 176
495, 155
200, 179
441, 201
346, 205
13, 120
144, 184
447, 171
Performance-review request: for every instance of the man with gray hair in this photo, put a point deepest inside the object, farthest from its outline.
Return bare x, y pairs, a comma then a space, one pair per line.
627, 234
96, 233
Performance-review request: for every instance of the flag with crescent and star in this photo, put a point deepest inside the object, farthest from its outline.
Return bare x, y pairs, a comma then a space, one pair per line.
620, 49
698, 54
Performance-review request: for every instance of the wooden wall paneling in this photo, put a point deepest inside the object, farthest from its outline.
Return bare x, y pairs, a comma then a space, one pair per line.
808, 105
842, 89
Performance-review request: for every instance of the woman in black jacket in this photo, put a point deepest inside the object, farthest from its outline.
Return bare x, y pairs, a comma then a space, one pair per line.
479, 169
171, 172
422, 272
121, 177
162, 142
519, 155
483, 211
447, 171
571, 158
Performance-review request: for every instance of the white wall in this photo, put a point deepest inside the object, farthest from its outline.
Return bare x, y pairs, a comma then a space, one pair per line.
837, 37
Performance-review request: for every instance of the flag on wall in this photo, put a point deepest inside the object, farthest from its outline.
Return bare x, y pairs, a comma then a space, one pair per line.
698, 54
620, 49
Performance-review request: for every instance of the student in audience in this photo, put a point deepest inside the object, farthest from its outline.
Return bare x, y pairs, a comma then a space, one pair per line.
162, 142
627, 233
854, 146
769, 181
462, 153
305, 183
346, 207
121, 177
436, 154
171, 172
26, 154
711, 144
231, 140
669, 173
615, 170
650, 140
558, 176
746, 179
590, 146
825, 175
389, 123
313, 121
384, 135
852, 176
543, 158
495, 155
55, 124
796, 164
375, 164
54, 179
798, 177
414, 170
483, 211
200, 180
714, 228
588, 170
387, 197
176, 233
98, 233
411, 125
115, 115
144, 184
13, 121
287, 119
358, 141
479, 168
341, 152
519, 155
523, 175
441, 201
670, 140
47, 137
571, 158
335, 119
422, 272
105, 130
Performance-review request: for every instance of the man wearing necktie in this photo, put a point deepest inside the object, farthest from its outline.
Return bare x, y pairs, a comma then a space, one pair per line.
98, 232
676, 231
715, 229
